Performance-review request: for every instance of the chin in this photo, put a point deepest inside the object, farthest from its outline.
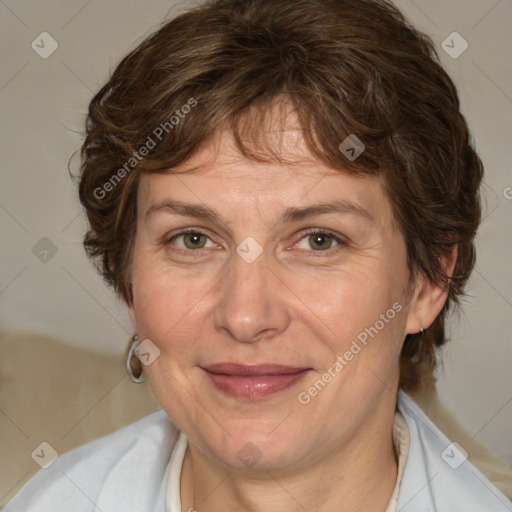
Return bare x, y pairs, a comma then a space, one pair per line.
258, 445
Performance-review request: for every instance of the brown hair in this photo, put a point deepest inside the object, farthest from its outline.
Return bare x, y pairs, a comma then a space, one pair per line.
348, 67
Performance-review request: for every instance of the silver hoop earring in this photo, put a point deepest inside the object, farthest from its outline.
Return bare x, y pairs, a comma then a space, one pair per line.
134, 378
422, 331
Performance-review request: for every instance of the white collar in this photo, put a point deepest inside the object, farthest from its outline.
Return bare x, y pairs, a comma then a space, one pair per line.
401, 440
173, 498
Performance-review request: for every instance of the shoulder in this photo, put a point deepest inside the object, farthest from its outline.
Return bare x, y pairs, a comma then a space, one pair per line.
438, 475
98, 474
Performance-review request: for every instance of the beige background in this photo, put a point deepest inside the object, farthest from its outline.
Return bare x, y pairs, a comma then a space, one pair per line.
43, 102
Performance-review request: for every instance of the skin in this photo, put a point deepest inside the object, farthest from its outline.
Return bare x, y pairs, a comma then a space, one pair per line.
298, 304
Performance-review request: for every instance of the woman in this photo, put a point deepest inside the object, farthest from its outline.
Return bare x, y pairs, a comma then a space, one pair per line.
285, 196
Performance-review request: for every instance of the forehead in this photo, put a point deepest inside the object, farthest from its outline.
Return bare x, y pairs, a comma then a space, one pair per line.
219, 175
276, 136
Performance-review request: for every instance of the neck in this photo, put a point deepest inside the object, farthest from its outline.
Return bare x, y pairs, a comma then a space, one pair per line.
360, 475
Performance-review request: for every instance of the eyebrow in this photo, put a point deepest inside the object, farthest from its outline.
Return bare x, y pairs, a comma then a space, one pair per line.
292, 214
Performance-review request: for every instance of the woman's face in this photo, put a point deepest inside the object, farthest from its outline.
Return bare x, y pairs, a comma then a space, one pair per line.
299, 266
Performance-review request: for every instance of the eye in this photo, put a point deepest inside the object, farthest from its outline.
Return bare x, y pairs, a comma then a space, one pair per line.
191, 240
319, 241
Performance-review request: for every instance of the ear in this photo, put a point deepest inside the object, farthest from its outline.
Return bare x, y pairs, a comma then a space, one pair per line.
428, 298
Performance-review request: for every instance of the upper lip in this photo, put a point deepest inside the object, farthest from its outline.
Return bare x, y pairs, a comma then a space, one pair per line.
260, 369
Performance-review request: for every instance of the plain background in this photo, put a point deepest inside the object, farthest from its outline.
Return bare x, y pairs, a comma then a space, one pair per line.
43, 102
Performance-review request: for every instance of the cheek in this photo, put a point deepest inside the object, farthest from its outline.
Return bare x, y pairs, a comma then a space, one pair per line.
350, 300
363, 321
168, 303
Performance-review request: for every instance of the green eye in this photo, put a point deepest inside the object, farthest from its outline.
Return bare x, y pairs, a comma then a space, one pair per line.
190, 240
194, 240
320, 241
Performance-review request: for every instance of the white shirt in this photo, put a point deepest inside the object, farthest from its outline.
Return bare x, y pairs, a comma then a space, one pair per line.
138, 468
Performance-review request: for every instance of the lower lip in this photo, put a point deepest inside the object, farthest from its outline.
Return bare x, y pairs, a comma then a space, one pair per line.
254, 387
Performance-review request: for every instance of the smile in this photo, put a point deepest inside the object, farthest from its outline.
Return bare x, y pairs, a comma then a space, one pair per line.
253, 382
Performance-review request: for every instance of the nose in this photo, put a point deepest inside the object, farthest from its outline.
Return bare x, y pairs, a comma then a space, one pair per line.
251, 302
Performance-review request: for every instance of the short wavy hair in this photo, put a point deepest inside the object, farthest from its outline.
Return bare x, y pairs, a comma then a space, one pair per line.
348, 67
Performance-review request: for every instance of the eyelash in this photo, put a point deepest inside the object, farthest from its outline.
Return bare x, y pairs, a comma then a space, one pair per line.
341, 242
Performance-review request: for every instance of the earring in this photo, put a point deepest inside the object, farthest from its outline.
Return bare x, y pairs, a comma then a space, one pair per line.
422, 331
132, 362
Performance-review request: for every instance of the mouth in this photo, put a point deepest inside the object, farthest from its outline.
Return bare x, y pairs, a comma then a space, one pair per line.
253, 382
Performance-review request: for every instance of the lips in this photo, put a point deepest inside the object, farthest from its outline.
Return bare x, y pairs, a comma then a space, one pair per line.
253, 381
255, 370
